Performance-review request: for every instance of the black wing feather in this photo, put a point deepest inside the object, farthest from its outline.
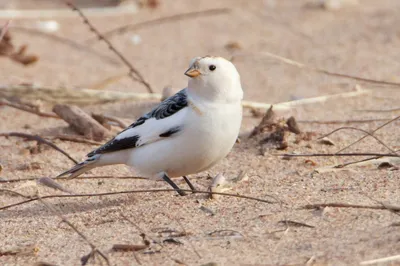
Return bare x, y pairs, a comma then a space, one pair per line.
165, 109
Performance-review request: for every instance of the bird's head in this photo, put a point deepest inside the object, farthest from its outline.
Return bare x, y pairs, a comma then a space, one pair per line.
214, 78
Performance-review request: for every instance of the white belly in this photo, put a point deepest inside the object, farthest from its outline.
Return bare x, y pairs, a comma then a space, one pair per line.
206, 138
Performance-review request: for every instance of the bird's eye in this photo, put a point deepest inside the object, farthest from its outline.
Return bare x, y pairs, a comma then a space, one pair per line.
212, 67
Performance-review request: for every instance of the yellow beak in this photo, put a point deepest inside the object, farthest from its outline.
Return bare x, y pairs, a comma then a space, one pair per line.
192, 72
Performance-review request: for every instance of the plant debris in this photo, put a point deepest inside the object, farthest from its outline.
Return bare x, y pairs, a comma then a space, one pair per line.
19, 55
278, 133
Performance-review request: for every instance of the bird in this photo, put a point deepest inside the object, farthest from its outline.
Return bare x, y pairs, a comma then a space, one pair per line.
187, 133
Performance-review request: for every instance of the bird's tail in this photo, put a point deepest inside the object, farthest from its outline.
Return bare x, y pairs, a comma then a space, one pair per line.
83, 167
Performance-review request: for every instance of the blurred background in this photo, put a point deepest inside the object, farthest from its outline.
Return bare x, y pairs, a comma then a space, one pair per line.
345, 36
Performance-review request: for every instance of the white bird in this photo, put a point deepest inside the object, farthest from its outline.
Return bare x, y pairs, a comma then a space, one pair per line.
187, 133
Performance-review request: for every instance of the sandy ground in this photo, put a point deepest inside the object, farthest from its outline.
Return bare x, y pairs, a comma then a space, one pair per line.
359, 40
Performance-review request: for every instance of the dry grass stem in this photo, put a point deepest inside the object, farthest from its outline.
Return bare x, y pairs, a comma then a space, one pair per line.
52, 13
315, 69
141, 191
158, 21
381, 260
133, 72
82, 235
27, 109
357, 206
38, 139
361, 130
66, 41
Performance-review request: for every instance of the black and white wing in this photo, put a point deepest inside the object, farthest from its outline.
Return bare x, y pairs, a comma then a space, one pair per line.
163, 121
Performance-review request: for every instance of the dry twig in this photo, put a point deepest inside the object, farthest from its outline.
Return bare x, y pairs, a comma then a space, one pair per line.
342, 121
77, 139
340, 154
68, 178
157, 21
66, 41
357, 206
38, 139
381, 260
133, 72
362, 130
27, 109
89, 96
139, 191
372, 132
316, 69
4, 29
65, 220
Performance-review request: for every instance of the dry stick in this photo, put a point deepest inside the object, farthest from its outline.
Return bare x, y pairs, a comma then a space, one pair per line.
341, 121
89, 96
339, 154
132, 70
27, 109
72, 96
81, 121
14, 193
111, 118
157, 21
372, 132
58, 13
77, 139
38, 139
379, 111
381, 260
140, 191
316, 69
66, 41
184, 231
4, 29
79, 177
359, 161
362, 130
65, 220
346, 205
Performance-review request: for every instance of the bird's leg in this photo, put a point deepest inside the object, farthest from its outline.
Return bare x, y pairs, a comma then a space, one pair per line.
172, 184
189, 183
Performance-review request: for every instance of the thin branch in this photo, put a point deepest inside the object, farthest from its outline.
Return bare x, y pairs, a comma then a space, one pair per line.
157, 21
341, 121
62, 13
82, 235
68, 178
38, 139
111, 118
381, 260
27, 109
319, 99
379, 110
76, 139
14, 193
338, 154
132, 70
316, 69
139, 191
89, 96
362, 130
346, 205
66, 41
372, 132
4, 29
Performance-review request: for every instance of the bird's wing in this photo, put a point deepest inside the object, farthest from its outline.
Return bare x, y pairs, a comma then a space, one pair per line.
163, 121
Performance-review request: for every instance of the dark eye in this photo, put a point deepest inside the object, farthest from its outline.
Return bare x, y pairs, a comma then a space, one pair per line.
212, 67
